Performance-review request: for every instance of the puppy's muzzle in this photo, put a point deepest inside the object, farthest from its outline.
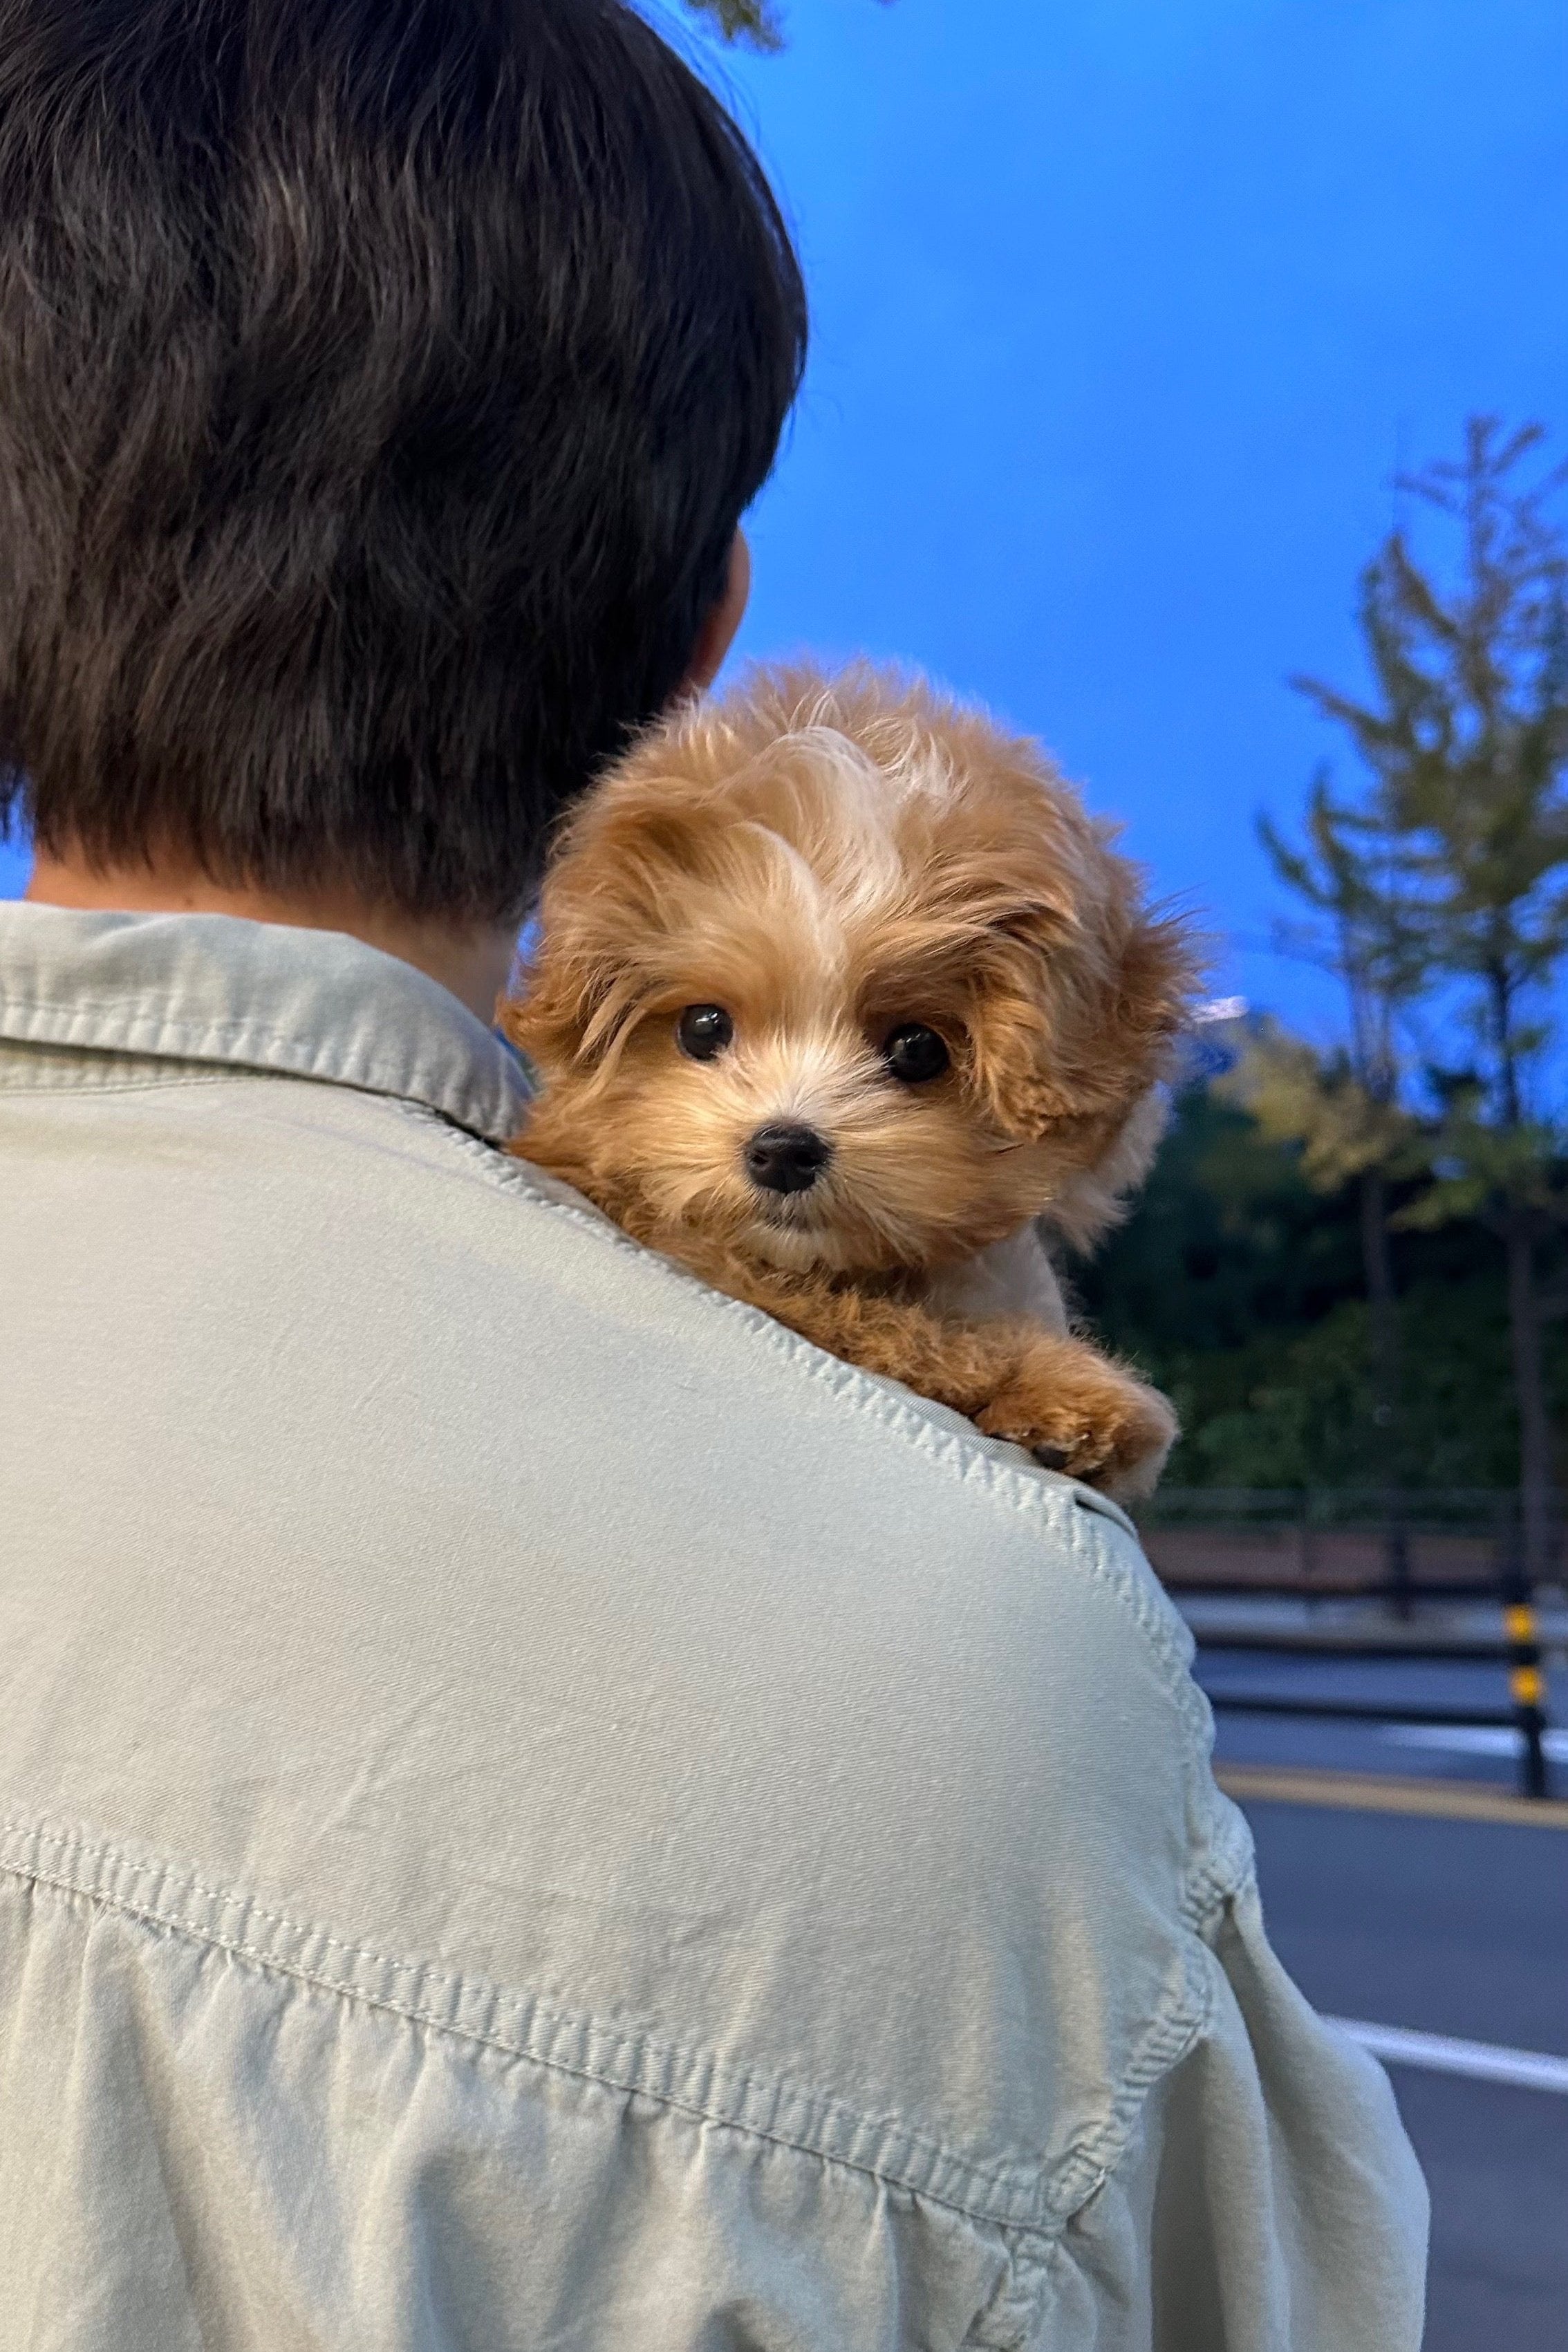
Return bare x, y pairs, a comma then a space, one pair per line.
787, 1159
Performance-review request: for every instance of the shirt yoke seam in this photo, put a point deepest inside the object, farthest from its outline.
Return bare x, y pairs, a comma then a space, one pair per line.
346, 1989
1078, 2173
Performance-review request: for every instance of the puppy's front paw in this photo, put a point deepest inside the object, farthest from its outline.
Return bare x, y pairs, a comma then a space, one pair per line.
1087, 1419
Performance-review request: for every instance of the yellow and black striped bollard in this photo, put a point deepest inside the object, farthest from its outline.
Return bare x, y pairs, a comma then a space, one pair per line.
1527, 1688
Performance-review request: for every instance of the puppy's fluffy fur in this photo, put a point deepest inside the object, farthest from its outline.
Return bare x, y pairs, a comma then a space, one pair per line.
825, 863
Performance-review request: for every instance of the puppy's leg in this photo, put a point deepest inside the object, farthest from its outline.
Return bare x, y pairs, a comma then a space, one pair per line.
1076, 1411
1056, 1396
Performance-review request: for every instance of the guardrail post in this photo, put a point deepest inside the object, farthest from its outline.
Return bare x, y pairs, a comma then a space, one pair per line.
1397, 1553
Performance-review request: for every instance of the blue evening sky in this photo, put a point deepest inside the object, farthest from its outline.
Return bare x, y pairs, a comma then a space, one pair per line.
1125, 311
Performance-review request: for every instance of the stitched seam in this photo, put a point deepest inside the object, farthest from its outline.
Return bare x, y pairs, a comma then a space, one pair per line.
39, 1021
258, 1911
1019, 1491
1050, 2248
449, 1980
1166, 2044
1021, 2307
1004, 2176
1225, 1860
267, 1963
91, 1088
75, 1009
1217, 1894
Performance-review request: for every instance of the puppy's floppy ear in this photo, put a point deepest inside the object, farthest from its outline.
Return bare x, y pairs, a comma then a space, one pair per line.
565, 987
597, 912
1097, 1196
1075, 1014
1010, 1024
1158, 969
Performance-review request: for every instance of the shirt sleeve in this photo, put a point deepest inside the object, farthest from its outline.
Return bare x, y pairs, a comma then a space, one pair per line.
1270, 2201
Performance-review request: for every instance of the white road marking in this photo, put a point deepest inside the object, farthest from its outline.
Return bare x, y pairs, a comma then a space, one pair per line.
1488, 2062
1471, 1740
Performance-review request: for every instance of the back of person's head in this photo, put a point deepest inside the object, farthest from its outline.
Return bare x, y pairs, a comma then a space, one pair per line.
380, 383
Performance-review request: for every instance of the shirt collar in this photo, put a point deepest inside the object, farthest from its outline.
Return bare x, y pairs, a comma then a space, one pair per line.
260, 996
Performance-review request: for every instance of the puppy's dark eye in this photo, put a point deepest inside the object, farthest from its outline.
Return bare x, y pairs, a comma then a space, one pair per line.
703, 1030
914, 1054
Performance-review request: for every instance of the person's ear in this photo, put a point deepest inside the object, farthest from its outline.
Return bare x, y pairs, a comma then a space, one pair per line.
717, 634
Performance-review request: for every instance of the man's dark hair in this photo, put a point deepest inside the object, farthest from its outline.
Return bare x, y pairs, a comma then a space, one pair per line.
380, 382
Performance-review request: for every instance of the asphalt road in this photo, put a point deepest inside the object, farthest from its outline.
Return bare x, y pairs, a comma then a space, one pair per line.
1453, 1927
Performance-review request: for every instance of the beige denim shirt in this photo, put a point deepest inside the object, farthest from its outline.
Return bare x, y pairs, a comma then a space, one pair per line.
541, 1812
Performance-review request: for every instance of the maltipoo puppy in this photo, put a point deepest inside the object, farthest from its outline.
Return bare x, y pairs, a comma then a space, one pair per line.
841, 999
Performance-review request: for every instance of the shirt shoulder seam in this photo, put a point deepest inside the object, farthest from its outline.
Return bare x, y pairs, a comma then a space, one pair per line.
1220, 1858
1025, 1494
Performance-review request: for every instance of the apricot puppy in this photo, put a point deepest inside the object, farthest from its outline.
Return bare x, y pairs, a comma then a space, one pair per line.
838, 996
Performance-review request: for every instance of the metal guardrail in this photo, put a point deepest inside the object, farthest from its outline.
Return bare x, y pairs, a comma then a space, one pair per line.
1365, 1546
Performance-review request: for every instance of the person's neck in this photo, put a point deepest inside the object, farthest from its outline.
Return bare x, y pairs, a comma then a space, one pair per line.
474, 961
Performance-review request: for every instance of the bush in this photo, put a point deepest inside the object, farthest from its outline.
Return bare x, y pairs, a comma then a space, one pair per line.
1239, 1289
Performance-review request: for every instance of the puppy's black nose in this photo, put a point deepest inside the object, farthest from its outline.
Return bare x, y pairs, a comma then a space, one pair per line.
787, 1159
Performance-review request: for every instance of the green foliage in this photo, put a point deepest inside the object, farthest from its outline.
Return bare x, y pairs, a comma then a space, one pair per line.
1287, 1411
755, 22
1357, 927
1305, 1415
1442, 889
1228, 1242
1238, 1286
1300, 1096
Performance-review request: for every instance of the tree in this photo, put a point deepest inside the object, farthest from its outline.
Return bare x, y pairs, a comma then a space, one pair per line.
1347, 1112
1344, 1109
1465, 739
755, 22
1238, 1286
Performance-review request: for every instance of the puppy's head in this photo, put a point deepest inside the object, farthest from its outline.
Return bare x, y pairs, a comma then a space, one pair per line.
841, 974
